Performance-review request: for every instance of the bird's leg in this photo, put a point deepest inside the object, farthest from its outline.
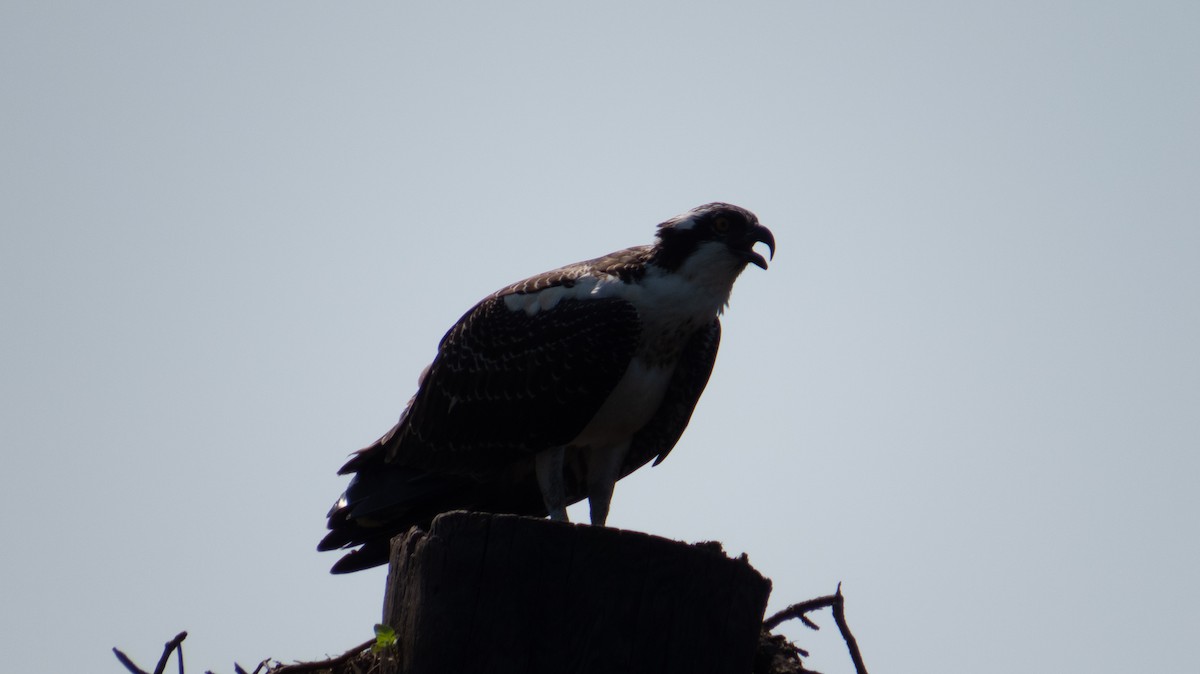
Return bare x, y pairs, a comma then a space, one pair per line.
549, 468
603, 471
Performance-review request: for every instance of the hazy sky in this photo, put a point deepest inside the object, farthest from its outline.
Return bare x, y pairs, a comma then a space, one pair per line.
968, 387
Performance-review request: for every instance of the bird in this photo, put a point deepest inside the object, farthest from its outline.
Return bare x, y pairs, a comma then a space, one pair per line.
553, 388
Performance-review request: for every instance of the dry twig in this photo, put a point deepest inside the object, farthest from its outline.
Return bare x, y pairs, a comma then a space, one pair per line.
834, 601
171, 646
331, 663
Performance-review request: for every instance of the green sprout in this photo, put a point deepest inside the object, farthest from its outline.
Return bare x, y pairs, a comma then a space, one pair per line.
385, 637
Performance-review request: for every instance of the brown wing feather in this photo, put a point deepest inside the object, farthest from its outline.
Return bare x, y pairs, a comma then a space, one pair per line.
505, 384
656, 439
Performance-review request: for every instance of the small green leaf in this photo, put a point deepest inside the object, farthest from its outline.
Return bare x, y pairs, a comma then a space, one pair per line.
385, 637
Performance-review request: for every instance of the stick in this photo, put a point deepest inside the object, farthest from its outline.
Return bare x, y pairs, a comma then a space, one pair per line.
835, 601
133, 669
839, 616
170, 646
324, 664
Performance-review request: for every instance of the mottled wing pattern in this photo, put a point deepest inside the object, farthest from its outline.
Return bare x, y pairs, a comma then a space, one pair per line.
656, 439
627, 264
506, 384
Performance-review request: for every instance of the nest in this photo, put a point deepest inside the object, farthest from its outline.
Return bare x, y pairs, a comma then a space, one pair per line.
775, 655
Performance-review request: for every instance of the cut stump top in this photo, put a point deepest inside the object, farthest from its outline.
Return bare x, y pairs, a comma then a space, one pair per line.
500, 593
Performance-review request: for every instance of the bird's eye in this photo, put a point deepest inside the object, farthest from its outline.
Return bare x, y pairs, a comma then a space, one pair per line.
720, 225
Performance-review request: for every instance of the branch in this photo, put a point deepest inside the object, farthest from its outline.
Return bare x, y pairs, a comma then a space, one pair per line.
133, 669
839, 616
331, 663
171, 646
834, 601
798, 611
240, 670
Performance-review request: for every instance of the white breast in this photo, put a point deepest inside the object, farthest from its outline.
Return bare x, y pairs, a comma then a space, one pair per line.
671, 307
630, 406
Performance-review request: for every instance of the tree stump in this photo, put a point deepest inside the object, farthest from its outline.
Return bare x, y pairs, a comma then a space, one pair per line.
501, 594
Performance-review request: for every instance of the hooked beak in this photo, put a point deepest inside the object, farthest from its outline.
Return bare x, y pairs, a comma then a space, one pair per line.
758, 234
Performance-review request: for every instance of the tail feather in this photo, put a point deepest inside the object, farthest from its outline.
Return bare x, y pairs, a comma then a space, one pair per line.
382, 503
384, 500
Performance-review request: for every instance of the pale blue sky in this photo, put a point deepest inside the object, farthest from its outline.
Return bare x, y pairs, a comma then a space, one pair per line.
968, 387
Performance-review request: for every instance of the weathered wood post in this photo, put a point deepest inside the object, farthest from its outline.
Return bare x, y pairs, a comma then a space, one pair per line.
501, 594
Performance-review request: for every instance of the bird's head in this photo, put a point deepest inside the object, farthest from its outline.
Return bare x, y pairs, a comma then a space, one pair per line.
721, 231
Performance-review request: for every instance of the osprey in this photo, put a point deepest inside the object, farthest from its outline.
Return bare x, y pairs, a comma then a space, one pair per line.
553, 388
